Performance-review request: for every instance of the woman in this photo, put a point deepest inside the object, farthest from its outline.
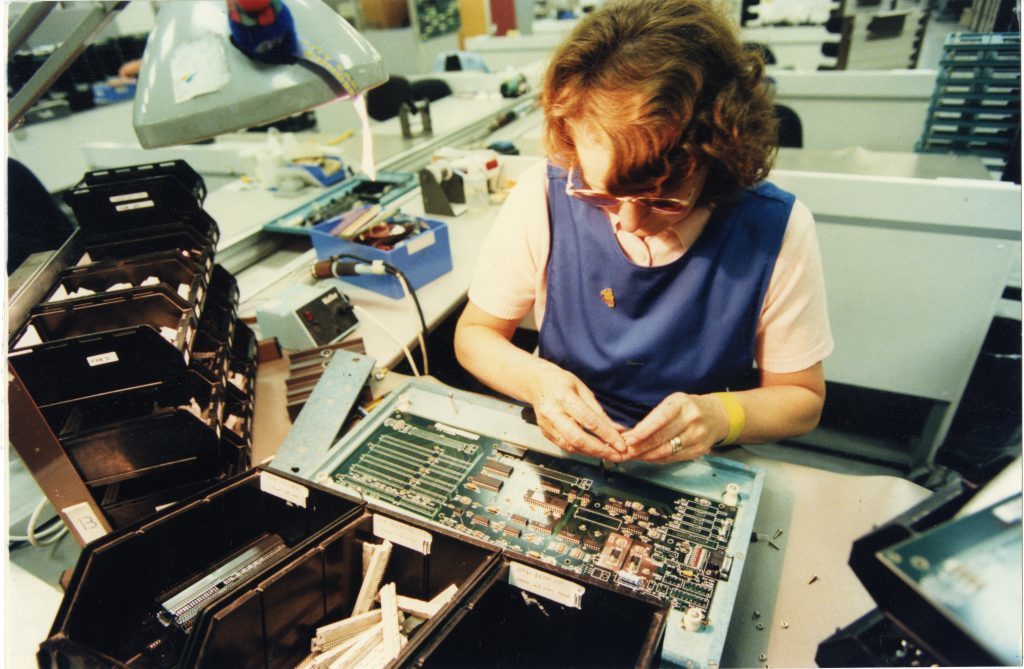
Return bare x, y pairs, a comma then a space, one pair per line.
660, 266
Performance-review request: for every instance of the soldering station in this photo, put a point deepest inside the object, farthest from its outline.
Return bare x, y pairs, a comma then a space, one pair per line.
239, 435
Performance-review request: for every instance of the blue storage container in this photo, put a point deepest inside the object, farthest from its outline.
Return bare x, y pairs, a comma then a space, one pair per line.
422, 258
105, 94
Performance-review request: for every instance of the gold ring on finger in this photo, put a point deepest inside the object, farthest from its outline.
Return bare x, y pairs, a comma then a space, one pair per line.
676, 444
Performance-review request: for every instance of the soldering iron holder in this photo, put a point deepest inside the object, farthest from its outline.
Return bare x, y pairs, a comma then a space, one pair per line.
420, 108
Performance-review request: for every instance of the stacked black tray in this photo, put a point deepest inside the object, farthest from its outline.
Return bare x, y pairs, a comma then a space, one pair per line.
136, 357
976, 106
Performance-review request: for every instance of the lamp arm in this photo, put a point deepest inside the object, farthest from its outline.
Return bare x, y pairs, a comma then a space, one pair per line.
26, 24
71, 48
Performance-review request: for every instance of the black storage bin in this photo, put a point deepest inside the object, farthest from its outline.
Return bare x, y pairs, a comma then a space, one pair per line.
183, 277
137, 196
224, 285
92, 366
140, 209
131, 500
157, 307
210, 352
986, 431
500, 626
156, 428
243, 361
292, 613
218, 320
180, 237
109, 615
180, 171
237, 425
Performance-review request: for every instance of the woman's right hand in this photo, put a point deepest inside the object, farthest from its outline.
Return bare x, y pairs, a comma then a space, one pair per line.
570, 416
567, 412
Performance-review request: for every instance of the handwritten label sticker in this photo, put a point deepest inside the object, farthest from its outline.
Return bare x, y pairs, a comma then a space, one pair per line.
411, 537
289, 491
128, 197
546, 585
145, 204
420, 242
85, 521
448, 429
102, 359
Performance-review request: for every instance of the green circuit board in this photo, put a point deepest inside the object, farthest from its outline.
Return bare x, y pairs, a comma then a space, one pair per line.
577, 516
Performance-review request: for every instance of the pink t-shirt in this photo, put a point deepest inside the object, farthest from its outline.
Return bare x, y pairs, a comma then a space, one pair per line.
511, 276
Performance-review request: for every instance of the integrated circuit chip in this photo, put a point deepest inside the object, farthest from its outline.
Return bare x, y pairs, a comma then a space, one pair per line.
548, 485
554, 503
543, 528
510, 449
498, 469
569, 537
486, 482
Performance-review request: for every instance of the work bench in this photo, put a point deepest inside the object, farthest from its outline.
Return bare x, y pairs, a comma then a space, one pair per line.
791, 596
777, 614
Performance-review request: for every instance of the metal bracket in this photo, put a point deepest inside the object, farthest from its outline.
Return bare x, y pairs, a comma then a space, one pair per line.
49, 464
322, 417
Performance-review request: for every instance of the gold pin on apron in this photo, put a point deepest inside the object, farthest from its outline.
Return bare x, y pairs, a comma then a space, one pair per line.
609, 297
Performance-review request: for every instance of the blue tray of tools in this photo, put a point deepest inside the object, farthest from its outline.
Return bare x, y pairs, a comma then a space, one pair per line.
352, 192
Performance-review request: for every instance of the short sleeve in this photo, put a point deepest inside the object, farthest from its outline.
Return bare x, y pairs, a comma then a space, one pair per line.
513, 259
794, 332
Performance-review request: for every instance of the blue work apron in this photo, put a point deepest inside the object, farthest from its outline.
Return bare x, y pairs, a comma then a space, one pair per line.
637, 334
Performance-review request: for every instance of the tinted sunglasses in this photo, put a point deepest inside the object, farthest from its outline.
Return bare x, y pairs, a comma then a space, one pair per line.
659, 205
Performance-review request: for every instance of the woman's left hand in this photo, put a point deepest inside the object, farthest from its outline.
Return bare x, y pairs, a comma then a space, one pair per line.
682, 427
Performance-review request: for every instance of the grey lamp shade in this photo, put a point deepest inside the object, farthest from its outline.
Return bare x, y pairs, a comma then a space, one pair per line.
194, 84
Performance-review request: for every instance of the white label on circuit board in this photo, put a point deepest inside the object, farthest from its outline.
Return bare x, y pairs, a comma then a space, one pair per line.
420, 242
128, 197
85, 521
408, 536
145, 204
102, 359
456, 432
546, 585
289, 491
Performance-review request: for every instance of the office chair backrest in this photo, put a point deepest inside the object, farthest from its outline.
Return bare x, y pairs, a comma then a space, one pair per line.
431, 89
791, 131
384, 101
766, 52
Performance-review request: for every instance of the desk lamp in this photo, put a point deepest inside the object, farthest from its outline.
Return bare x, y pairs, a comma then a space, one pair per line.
215, 67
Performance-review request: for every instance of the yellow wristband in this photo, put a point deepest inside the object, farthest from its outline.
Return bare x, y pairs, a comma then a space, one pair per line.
737, 417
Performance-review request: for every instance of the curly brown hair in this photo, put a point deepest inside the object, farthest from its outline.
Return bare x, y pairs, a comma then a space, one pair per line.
670, 85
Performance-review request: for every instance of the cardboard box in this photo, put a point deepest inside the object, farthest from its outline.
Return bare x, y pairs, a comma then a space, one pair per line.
422, 258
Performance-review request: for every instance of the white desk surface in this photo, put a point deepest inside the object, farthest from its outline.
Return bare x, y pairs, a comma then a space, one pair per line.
858, 160
820, 512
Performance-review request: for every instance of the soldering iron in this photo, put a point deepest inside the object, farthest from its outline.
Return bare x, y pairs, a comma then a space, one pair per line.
335, 267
